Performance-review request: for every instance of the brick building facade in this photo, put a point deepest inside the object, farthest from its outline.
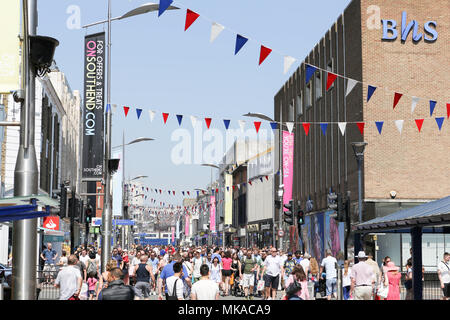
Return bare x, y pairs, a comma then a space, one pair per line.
413, 163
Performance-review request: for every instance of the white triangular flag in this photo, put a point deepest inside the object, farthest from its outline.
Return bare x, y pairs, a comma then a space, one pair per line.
399, 124
193, 121
288, 61
216, 29
415, 100
242, 124
290, 126
351, 83
342, 126
114, 108
152, 115
239, 186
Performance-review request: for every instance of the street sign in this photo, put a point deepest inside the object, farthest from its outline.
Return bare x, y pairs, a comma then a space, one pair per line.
280, 233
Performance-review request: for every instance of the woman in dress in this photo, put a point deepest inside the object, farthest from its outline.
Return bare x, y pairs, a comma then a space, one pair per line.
298, 274
226, 272
393, 280
215, 272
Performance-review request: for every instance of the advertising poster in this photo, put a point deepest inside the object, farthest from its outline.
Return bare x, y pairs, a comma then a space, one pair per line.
317, 236
305, 238
117, 186
212, 214
288, 166
334, 235
94, 96
228, 199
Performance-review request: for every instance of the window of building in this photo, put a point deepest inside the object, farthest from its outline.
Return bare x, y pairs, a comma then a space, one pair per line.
291, 111
330, 67
300, 104
318, 85
308, 95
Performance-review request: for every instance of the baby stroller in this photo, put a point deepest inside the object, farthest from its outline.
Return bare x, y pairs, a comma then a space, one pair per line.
320, 287
236, 289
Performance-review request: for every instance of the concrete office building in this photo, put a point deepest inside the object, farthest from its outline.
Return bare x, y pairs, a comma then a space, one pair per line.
400, 170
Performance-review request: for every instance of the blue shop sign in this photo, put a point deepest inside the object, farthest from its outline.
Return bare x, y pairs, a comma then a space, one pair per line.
390, 31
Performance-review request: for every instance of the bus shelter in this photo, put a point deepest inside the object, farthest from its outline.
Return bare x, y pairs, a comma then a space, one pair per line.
431, 217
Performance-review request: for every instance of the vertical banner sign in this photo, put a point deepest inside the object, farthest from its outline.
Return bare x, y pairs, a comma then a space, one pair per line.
186, 227
288, 166
212, 214
228, 199
173, 234
178, 229
94, 84
117, 186
10, 47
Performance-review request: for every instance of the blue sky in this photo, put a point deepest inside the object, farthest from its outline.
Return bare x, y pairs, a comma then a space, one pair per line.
156, 65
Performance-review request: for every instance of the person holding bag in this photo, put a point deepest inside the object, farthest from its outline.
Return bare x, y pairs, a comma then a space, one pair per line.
297, 285
175, 286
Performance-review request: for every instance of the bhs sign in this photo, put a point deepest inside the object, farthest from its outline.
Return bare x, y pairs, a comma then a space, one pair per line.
390, 31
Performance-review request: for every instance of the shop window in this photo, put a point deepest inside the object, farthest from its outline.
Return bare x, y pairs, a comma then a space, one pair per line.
308, 95
299, 104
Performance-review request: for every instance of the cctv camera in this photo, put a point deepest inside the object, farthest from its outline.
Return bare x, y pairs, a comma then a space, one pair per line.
393, 194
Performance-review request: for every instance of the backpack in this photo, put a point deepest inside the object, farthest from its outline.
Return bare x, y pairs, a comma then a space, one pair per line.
293, 288
243, 263
91, 267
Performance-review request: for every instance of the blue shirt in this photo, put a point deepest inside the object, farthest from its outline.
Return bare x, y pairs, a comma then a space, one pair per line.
49, 255
168, 272
162, 252
214, 255
118, 258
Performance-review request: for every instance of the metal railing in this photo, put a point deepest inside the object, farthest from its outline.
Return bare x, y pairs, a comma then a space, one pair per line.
431, 286
45, 278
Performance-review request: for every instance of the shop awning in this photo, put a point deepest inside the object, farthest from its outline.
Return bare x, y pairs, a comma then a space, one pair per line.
12, 213
41, 200
429, 214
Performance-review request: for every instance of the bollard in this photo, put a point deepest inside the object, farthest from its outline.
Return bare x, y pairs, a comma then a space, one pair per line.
2, 296
339, 288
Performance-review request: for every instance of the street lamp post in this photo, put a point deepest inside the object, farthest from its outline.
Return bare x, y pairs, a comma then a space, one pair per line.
358, 149
107, 205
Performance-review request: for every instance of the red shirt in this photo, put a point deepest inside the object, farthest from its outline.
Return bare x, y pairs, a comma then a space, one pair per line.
227, 263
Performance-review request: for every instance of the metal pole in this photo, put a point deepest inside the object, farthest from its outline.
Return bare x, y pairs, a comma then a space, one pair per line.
107, 213
123, 180
339, 282
359, 159
280, 214
24, 237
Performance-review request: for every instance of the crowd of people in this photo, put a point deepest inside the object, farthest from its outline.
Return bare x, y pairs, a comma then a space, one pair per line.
208, 273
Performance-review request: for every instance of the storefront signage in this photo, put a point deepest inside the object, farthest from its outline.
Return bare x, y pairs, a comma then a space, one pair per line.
51, 223
266, 227
390, 31
252, 227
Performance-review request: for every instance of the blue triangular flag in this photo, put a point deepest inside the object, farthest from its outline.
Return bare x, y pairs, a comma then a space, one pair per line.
324, 127
432, 106
163, 5
240, 42
309, 72
274, 125
182, 192
228, 188
108, 106
138, 111
439, 122
180, 118
370, 92
379, 125
261, 179
227, 123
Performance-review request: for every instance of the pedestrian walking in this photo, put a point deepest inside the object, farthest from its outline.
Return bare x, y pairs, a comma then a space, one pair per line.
63, 260
346, 280
92, 283
105, 277
198, 261
274, 268
168, 271
49, 256
329, 265
297, 284
144, 278
249, 267
91, 265
154, 262
205, 288
69, 280
305, 263
444, 275
288, 265
117, 289
216, 272
376, 271
408, 282
362, 279
226, 272
393, 277
298, 257
174, 283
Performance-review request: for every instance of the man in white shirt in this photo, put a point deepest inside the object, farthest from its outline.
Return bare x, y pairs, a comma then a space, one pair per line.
205, 289
179, 286
329, 263
273, 267
444, 275
197, 262
305, 263
69, 280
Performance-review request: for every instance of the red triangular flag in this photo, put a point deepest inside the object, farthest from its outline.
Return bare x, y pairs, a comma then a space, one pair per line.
419, 123
397, 98
257, 125
208, 122
264, 53
330, 79
267, 177
173, 192
448, 110
191, 16
360, 127
165, 116
306, 127
234, 187
249, 182
126, 109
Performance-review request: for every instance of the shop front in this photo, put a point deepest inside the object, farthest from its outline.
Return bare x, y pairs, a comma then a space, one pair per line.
260, 234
